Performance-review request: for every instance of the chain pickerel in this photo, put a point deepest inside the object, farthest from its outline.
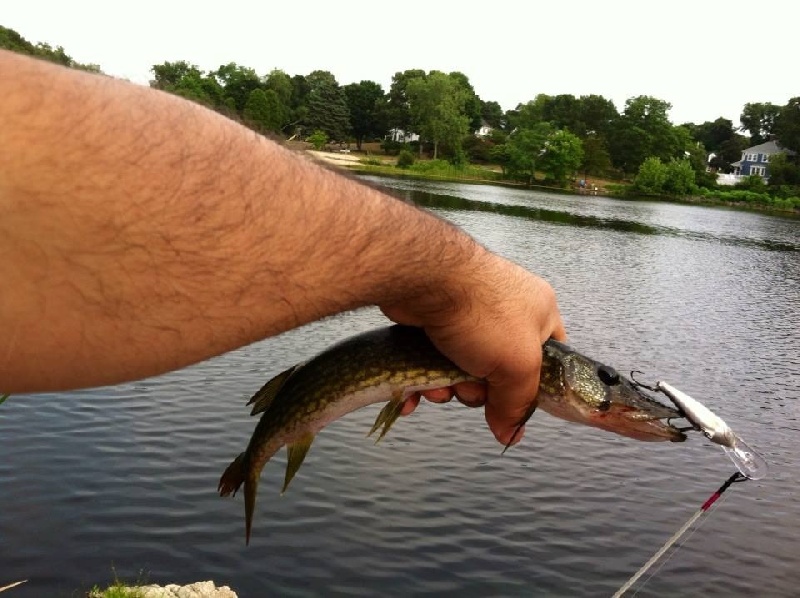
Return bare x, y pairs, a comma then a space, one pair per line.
389, 364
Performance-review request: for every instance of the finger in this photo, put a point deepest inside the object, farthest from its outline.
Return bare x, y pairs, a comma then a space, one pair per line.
471, 394
512, 397
410, 404
559, 332
438, 395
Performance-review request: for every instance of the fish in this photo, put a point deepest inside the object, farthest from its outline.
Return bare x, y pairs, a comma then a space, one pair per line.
390, 364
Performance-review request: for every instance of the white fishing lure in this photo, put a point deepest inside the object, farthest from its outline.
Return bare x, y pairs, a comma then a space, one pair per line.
747, 461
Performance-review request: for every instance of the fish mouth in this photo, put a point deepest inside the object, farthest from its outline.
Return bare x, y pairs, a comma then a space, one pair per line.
642, 417
649, 427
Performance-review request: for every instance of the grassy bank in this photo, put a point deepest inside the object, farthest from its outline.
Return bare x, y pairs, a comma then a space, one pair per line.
442, 170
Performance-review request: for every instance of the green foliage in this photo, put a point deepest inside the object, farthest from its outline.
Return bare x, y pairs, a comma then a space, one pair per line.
405, 159
651, 176
783, 170
753, 198
644, 130
398, 112
264, 111
758, 118
752, 183
563, 154
477, 149
523, 150
187, 80
680, 179
238, 82
492, 113
391, 147
437, 107
3, 399
596, 159
318, 139
368, 111
326, 106
787, 125
676, 178
11, 40
116, 590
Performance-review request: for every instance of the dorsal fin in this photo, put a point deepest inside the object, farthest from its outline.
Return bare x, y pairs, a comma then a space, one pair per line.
297, 453
264, 397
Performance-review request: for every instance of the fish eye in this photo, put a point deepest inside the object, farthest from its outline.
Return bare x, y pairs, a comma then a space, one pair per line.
608, 375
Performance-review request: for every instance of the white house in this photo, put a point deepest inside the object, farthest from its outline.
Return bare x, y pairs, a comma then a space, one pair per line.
402, 136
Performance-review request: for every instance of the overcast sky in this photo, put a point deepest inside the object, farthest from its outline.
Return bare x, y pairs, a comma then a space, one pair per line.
706, 57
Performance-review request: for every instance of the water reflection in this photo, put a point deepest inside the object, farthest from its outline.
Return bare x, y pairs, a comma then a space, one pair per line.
452, 202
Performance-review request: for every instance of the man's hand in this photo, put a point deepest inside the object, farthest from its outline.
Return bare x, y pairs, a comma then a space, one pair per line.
492, 324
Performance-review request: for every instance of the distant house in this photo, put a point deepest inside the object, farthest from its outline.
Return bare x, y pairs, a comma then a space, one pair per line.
485, 130
402, 136
755, 160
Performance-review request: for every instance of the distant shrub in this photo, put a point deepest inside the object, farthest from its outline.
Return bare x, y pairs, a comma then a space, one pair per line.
651, 176
405, 159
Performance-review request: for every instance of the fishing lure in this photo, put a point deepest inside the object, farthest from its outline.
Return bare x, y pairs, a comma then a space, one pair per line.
746, 459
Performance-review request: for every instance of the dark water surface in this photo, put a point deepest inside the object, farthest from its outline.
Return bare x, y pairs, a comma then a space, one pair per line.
123, 479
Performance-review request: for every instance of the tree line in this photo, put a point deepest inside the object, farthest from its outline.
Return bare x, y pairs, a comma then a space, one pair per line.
559, 135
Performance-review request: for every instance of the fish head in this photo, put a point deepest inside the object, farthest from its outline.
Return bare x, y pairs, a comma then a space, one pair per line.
579, 389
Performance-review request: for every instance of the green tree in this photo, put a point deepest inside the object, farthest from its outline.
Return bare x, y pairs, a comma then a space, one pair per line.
721, 138
523, 150
281, 84
326, 106
11, 40
492, 113
644, 130
783, 171
399, 114
188, 81
787, 125
680, 178
237, 83
651, 176
599, 116
596, 159
367, 104
758, 118
264, 111
436, 104
472, 103
563, 154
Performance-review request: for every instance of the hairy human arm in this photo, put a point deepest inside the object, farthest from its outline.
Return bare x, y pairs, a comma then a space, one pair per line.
140, 233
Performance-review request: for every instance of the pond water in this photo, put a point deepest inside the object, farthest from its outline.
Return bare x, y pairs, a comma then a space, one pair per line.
122, 480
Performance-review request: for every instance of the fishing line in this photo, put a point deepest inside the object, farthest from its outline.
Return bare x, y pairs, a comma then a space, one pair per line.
661, 565
736, 477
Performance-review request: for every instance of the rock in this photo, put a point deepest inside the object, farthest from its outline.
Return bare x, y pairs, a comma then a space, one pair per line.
200, 589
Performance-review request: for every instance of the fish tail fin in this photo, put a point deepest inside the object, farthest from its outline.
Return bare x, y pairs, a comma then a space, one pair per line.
233, 476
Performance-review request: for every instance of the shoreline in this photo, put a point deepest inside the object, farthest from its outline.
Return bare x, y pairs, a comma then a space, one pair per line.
352, 163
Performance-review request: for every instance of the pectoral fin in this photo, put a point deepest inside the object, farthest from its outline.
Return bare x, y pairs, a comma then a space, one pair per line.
297, 453
387, 417
267, 393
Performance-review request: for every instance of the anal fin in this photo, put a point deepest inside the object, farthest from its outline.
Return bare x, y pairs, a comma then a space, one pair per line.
297, 453
387, 417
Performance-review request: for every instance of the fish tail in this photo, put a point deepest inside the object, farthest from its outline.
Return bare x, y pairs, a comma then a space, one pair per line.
233, 476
